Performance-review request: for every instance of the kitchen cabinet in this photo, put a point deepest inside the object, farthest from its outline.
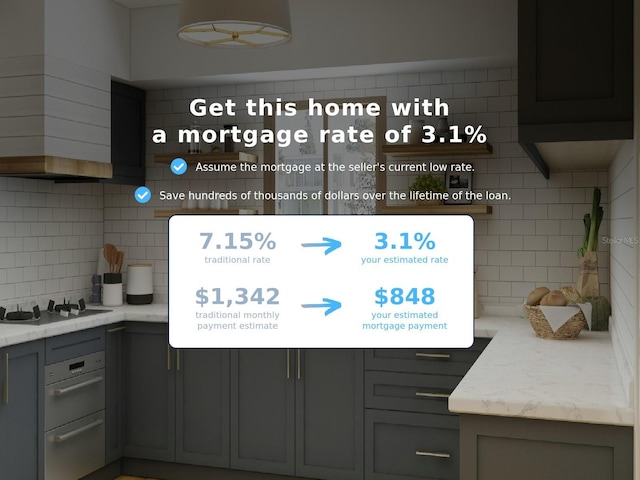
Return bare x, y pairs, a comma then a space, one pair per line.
575, 75
22, 411
176, 401
298, 412
127, 135
409, 431
149, 388
114, 391
202, 407
497, 448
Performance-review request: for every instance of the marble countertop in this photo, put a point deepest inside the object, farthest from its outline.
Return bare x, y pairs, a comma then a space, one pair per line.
518, 374
11, 334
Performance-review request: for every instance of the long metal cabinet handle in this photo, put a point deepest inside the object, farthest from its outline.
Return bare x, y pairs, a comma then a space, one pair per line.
63, 391
77, 431
432, 395
288, 365
299, 366
168, 357
5, 395
116, 329
178, 360
433, 454
432, 355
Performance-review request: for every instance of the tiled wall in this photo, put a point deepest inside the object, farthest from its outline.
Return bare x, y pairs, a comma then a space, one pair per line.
529, 240
50, 235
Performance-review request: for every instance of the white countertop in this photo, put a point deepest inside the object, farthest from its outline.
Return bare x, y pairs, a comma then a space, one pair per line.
518, 374
13, 334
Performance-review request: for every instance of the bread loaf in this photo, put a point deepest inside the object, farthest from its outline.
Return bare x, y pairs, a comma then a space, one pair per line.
572, 294
554, 298
536, 295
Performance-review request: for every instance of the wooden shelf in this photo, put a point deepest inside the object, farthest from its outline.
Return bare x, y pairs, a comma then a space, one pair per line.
437, 210
211, 157
229, 211
437, 149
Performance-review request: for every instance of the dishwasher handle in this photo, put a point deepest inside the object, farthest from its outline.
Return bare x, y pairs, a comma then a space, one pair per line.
63, 391
77, 431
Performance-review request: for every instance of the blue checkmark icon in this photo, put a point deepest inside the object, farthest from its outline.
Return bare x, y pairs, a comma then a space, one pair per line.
142, 195
178, 166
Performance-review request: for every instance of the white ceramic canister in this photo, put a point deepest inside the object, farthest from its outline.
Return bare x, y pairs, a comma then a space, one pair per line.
112, 289
139, 284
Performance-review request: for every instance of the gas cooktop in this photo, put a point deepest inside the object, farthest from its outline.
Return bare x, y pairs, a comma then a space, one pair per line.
53, 313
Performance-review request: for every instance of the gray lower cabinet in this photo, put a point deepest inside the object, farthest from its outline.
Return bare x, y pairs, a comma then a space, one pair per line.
409, 431
22, 411
262, 408
176, 401
202, 407
149, 389
411, 445
298, 412
497, 448
114, 392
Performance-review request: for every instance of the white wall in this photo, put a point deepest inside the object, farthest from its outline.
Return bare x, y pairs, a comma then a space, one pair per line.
55, 84
21, 28
336, 33
92, 33
624, 260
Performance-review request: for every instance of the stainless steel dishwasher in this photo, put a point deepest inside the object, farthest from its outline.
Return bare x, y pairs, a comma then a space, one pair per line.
74, 417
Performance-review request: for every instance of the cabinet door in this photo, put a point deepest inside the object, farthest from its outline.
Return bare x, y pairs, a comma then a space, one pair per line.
22, 411
329, 413
575, 62
127, 134
202, 407
537, 449
402, 445
149, 393
114, 392
262, 410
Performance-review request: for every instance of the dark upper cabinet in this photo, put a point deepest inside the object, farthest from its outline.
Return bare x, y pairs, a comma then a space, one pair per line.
575, 72
127, 134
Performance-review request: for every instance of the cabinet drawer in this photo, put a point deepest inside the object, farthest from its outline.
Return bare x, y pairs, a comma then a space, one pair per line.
76, 344
411, 445
409, 391
446, 361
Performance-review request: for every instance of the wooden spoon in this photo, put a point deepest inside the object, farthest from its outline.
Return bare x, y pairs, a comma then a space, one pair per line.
110, 255
119, 262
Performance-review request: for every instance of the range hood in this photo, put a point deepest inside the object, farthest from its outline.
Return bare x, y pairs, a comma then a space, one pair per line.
60, 169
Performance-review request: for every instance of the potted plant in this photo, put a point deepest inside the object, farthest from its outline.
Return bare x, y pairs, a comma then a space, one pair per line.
428, 183
588, 280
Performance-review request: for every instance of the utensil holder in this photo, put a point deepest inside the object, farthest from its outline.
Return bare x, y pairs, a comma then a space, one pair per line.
112, 290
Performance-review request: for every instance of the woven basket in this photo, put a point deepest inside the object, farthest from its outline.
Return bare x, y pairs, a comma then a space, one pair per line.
569, 329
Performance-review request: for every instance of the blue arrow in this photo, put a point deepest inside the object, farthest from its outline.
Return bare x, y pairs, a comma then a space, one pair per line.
330, 305
330, 243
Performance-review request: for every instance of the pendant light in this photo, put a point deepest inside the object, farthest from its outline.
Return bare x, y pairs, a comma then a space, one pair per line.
235, 23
